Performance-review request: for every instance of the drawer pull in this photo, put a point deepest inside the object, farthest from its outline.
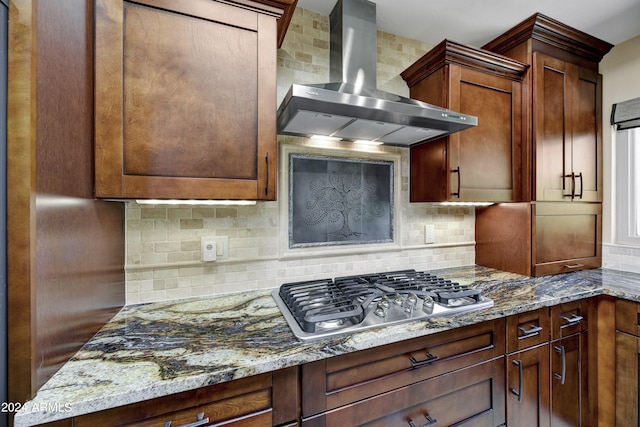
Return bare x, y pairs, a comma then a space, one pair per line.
563, 373
571, 320
528, 333
430, 422
576, 265
201, 421
415, 363
518, 392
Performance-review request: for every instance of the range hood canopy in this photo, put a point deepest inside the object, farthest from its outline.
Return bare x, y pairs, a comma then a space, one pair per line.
354, 109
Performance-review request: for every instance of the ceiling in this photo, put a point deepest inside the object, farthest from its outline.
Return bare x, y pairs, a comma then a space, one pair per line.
476, 22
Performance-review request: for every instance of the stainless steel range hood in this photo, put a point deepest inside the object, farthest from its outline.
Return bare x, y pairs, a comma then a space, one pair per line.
353, 109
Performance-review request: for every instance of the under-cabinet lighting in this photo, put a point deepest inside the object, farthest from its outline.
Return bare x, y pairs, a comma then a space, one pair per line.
466, 203
194, 202
325, 138
367, 142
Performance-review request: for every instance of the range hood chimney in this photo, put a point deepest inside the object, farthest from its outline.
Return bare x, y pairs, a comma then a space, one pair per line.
353, 108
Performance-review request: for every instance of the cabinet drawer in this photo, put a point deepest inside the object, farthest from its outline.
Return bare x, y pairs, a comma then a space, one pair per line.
330, 383
568, 237
261, 400
471, 396
528, 329
251, 409
569, 318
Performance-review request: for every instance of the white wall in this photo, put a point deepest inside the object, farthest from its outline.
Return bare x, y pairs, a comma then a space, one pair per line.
620, 70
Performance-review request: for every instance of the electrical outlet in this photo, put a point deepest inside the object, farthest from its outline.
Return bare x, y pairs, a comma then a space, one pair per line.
214, 248
209, 249
429, 234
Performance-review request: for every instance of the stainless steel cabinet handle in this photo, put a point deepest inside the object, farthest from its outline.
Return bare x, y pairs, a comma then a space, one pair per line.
518, 392
528, 333
562, 375
571, 319
430, 422
457, 170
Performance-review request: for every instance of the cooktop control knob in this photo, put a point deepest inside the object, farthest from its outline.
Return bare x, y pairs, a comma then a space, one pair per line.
397, 299
380, 312
427, 304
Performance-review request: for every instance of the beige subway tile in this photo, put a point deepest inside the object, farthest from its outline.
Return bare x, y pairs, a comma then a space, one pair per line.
153, 213
203, 212
154, 258
190, 224
153, 235
167, 247
179, 213
178, 293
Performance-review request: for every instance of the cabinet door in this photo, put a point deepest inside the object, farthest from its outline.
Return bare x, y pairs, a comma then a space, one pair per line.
566, 131
482, 163
528, 387
567, 237
485, 160
186, 113
627, 379
569, 382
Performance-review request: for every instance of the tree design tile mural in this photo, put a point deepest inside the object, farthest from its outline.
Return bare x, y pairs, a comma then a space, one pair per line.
335, 201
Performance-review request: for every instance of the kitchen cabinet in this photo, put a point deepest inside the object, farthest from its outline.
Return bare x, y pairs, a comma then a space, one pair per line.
561, 222
571, 399
547, 367
627, 363
535, 239
419, 380
567, 130
528, 387
189, 113
483, 163
263, 400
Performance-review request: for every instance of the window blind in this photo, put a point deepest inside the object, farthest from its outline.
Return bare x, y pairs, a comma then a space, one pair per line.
626, 115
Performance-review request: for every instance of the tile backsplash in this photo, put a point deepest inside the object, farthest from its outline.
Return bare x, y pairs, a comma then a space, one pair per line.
163, 242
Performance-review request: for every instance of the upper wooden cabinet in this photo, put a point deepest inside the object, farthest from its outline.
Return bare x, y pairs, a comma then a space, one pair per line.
185, 99
567, 134
564, 107
559, 229
479, 164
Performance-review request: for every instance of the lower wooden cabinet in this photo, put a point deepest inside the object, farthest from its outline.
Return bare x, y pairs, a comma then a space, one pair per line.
627, 363
569, 387
259, 401
528, 399
547, 367
473, 396
528, 369
627, 379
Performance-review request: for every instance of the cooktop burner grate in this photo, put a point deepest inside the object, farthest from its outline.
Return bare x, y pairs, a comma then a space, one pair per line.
326, 307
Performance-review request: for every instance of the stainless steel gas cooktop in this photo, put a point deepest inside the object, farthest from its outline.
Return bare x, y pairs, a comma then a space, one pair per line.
321, 308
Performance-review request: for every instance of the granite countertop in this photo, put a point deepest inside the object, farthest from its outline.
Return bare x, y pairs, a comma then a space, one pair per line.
157, 349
